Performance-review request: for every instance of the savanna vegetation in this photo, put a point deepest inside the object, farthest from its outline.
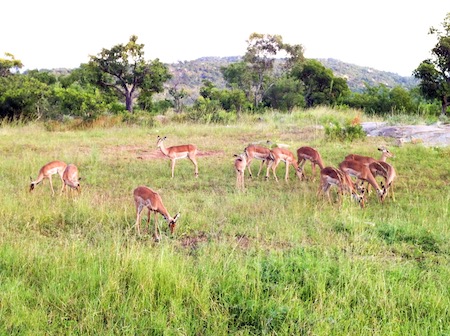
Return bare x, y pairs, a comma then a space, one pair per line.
272, 75
274, 259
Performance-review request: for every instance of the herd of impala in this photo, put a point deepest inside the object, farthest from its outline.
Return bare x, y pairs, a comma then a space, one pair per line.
363, 168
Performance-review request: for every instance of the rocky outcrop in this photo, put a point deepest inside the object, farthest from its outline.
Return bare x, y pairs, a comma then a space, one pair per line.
429, 135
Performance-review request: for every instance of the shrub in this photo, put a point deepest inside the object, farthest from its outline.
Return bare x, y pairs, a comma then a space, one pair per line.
349, 131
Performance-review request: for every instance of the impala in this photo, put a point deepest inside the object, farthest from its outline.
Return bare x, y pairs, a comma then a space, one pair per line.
279, 154
385, 153
146, 197
70, 178
239, 165
330, 176
367, 160
363, 173
386, 171
308, 153
51, 168
257, 152
178, 152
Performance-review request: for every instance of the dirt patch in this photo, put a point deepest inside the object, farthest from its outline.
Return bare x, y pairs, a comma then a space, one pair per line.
192, 242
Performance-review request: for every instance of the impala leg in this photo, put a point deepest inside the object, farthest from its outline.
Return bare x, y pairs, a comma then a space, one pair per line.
274, 168
313, 168
326, 190
194, 161
157, 237
63, 187
286, 176
172, 166
301, 163
261, 166
138, 219
249, 161
51, 184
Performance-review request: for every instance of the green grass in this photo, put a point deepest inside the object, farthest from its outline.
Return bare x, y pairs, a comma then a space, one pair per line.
274, 260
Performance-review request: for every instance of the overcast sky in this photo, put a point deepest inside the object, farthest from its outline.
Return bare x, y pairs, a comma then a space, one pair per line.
388, 35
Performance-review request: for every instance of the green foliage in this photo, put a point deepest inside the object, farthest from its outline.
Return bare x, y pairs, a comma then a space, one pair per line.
434, 73
321, 87
80, 102
285, 94
335, 130
124, 69
24, 96
9, 65
382, 100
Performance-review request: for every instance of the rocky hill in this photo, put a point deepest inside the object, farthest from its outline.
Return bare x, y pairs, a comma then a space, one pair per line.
190, 74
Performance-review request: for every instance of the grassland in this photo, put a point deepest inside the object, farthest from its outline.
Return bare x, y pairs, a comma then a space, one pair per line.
274, 260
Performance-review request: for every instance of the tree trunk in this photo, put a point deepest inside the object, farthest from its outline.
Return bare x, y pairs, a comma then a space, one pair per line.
129, 102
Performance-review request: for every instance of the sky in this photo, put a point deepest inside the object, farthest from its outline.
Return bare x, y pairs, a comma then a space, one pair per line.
387, 35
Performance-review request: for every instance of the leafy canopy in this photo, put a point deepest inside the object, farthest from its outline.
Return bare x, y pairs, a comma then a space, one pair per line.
434, 73
124, 70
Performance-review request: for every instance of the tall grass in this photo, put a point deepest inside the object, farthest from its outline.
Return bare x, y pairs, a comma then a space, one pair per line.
275, 259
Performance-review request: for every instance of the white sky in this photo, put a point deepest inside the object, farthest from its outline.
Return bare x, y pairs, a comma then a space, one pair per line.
388, 35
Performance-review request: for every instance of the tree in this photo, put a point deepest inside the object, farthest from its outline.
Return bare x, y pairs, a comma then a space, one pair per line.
257, 71
434, 73
7, 65
285, 94
321, 86
178, 94
124, 70
22, 96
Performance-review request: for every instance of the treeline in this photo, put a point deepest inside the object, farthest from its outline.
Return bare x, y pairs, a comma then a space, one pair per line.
271, 75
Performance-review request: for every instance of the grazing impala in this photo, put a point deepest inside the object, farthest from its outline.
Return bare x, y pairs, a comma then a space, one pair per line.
311, 154
279, 154
367, 160
51, 168
257, 152
146, 197
239, 165
330, 176
178, 152
363, 173
70, 178
386, 171
385, 153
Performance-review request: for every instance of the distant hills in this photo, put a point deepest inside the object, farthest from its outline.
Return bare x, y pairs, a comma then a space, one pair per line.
190, 74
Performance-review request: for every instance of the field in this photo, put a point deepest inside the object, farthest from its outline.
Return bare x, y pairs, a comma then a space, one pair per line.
274, 259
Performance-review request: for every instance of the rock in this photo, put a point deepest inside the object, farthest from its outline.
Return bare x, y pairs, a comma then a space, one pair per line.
429, 135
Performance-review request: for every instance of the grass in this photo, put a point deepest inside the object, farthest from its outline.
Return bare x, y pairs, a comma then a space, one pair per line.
275, 259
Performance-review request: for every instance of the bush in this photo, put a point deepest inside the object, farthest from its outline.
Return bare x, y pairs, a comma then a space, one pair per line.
350, 131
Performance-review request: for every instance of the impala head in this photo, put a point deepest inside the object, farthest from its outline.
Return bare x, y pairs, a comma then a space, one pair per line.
172, 222
32, 184
385, 151
159, 141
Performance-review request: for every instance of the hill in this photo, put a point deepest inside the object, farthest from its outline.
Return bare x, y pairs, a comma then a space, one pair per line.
190, 74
